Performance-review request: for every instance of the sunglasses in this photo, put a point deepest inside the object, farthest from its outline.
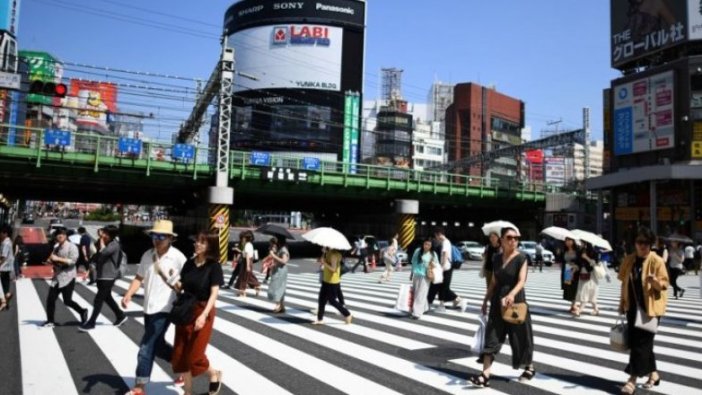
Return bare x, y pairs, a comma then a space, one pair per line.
510, 238
158, 236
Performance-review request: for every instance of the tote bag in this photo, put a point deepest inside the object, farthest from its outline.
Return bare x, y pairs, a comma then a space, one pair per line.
478, 342
619, 336
405, 298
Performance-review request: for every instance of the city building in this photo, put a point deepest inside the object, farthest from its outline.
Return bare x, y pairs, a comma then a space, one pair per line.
440, 97
481, 119
391, 88
393, 132
653, 127
427, 145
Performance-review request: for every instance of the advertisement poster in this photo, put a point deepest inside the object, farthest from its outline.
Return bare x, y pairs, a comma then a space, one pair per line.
644, 115
694, 15
640, 28
555, 170
92, 101
43, 67
289, 56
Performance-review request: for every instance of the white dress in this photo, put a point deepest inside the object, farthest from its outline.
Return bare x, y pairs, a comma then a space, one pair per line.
588, 289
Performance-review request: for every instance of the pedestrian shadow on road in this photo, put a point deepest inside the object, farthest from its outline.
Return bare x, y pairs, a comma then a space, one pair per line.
115, 383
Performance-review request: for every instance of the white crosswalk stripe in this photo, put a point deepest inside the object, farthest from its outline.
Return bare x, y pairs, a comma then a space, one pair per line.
382, 352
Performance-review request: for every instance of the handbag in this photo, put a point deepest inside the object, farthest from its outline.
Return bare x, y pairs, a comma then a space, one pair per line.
643, 320
183, 308
599, 271
515, 314
619, 336
437, 273
405, 298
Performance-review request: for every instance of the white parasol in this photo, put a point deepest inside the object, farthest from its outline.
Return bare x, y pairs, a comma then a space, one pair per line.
593, 239
496, 227
327, 237
559, 233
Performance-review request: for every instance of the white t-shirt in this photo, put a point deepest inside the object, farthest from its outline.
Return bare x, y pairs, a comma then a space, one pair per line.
158, 296
689, 252
445, 254
8, 264
249, 251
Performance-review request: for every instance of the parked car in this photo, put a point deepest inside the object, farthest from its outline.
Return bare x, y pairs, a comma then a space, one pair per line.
401, 254
529, 248
471, 250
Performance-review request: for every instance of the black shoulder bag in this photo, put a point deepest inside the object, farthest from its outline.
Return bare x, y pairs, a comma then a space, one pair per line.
182, 312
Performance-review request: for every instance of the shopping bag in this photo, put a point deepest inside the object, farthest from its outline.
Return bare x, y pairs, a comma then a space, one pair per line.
478, 343
599, 271
619, 336
405, 298
645, 321
438, 273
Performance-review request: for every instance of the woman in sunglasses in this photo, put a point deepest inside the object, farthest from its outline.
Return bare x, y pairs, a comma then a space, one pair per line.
644, 285
507, 288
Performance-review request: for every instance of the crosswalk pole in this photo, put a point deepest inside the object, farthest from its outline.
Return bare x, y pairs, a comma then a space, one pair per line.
408, 210
219, 225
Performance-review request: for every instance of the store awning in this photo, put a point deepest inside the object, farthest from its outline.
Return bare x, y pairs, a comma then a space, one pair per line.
646, 173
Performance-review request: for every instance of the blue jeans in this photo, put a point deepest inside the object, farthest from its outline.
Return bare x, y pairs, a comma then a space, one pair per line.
155, 326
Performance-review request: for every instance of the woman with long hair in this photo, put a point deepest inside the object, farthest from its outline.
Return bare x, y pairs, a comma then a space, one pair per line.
507, 288
201, 276
279, 273
423, 259
389, 259
588, 288
570, 274
247, 278
644, 288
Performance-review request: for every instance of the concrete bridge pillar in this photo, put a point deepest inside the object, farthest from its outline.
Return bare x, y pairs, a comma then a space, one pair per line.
220, 200
408, 210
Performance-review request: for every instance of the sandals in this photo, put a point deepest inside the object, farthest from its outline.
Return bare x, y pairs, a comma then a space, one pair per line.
481, 381
629, 388
528, 374
651, 382
216, 386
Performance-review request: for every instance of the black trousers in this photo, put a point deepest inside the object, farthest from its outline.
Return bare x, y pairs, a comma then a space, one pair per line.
642, 360
235, 273
5, 279
104, 295
674, 274
361, 261
329, 293
67, 294
443, 289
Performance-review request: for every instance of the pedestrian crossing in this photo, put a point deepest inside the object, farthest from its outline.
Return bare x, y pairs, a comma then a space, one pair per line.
382, 352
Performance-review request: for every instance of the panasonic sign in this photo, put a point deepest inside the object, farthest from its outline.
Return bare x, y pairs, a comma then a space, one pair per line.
333, 8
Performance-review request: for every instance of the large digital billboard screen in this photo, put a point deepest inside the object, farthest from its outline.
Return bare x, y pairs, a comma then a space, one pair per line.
299, 56
644, 114
642, 27
92, 101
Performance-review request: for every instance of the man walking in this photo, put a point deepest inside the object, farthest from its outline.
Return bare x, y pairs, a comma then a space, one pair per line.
444, 289
7, 261
157, 271
63, 258
84, 250
539, 257
361, 250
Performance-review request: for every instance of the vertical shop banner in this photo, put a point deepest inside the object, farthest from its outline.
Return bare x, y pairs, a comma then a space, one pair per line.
355, 133
644, 115
41, 67
346, 147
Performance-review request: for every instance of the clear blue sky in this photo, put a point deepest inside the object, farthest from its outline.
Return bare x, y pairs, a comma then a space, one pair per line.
552, 54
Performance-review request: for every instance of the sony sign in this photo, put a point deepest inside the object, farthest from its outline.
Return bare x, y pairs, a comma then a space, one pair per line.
290, 5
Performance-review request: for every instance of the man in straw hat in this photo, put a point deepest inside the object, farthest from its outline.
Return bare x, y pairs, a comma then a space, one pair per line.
158, 270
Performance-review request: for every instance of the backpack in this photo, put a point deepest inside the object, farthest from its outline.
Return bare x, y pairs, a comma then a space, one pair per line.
698, 253
456, 257
122, 265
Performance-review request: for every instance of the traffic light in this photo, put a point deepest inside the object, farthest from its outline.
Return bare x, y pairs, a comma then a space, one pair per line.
48, 89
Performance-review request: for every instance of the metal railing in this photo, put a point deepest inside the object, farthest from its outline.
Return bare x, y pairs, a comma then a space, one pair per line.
100, 150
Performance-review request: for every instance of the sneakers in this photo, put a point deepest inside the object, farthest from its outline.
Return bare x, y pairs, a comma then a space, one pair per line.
84, 316
48, 324
440, 309
120, 321
457, 302
136, 391
179, 381
86, 328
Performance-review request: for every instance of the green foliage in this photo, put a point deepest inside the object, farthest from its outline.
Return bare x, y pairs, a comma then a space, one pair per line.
102, 214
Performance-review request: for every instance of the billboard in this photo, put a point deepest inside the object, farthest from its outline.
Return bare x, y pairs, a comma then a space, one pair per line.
9, 15
644, 114
555, 170
640, 28
301, 56
43, 67
92, 101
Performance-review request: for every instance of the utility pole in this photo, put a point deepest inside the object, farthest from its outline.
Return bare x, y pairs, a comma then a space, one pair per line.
221, 196
586, 128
